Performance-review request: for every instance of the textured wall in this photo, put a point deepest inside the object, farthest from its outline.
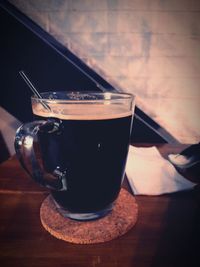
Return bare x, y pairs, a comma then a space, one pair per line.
148, 47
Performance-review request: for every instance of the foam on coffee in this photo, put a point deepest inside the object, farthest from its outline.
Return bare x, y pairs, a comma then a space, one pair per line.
82, 111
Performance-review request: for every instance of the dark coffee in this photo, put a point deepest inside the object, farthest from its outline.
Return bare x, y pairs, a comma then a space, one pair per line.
93, 153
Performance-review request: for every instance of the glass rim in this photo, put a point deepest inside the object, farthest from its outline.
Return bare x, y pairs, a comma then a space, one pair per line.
108, 96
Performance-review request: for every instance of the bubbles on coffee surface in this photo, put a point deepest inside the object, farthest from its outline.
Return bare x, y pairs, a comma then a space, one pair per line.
73, 96
81, 96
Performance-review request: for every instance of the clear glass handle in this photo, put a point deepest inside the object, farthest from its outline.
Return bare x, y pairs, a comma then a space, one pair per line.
26, 147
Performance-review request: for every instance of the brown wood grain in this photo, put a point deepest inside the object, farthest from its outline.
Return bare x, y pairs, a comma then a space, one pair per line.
167, 232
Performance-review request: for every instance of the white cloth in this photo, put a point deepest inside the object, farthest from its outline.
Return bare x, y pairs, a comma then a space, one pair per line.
150, 174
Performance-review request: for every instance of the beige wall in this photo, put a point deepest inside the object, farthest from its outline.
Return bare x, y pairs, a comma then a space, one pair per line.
148, 47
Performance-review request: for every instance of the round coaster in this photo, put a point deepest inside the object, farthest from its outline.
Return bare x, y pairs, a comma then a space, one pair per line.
121, 219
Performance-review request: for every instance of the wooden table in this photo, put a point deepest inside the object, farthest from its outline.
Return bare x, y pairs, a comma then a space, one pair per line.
167, 232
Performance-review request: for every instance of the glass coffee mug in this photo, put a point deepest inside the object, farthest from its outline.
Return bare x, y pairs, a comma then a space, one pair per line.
77, 147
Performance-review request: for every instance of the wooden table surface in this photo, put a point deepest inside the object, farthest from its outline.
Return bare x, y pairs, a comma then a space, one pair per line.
167, 232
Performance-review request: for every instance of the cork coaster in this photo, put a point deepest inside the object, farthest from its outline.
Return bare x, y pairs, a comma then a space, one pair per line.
122, 218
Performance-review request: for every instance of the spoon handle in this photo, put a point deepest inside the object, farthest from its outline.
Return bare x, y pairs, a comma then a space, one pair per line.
32, 87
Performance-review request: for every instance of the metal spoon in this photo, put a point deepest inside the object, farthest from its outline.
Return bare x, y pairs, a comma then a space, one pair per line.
33, 89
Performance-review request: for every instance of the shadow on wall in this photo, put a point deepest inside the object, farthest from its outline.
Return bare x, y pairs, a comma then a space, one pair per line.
4, 154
